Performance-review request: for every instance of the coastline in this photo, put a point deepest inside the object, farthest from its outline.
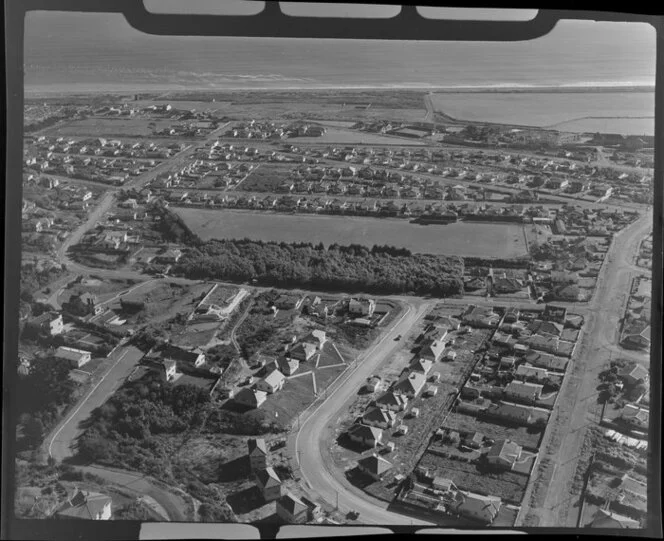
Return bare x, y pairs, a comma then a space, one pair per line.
37, 91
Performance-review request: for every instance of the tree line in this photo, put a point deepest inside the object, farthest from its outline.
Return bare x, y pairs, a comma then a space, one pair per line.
381, 269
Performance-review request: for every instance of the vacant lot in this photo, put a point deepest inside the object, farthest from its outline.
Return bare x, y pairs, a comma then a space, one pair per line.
298, 393
465, 239
266, 178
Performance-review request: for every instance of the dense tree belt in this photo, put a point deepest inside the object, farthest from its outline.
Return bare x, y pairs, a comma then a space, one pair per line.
381, 269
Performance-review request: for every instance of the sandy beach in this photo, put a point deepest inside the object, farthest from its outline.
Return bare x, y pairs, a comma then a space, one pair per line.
50, 90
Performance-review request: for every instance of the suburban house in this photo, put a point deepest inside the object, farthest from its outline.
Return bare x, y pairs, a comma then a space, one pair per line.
380, 418
632, 375
550, 344
84, 505
511, 315
482, 317
167, 368
545, 328
372, 385
610, 520
432, 350
392, 401
291, 509
288, 366
637, 339
473, 440
76, 357
478, 507
48, 323
410, 385
504, 453
527, 371
361, 307
366, 435
523, 392
269, 484
544, 360
511, 412
557, 314
257, 452
636, 416
271, 383
84, 304
250, 397
303, 351
506, 363
374, 466
194, 358
422, 366
314, 510
316, 338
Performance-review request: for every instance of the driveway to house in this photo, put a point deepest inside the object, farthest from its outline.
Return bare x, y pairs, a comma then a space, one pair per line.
62, 441
575, 408
318, 475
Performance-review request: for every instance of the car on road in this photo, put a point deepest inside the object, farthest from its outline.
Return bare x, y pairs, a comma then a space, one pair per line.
397, 338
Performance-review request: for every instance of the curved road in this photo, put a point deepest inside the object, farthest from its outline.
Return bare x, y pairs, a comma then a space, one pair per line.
317, 474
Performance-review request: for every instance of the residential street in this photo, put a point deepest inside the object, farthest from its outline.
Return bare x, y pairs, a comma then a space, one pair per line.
576, 405
61, 443
316, 469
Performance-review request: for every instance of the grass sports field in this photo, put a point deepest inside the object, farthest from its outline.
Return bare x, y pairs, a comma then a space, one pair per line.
464, 239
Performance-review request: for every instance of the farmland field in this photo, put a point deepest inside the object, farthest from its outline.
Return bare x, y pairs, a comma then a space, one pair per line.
464, 239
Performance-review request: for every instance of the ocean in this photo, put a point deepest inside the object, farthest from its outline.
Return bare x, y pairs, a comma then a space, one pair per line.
102, 49
82, 52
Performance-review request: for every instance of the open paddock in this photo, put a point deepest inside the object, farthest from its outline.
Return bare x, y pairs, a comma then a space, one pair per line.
464, 239
266, 178
298, 393
111, 127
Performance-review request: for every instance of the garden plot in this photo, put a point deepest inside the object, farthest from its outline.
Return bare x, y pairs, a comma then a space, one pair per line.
526, 437
508, 486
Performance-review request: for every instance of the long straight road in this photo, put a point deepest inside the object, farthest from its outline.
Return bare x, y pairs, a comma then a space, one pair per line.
318, 475
575, 406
